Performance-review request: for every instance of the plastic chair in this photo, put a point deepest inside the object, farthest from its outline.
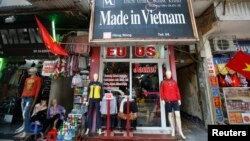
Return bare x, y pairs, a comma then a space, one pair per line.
35, 128
51, 135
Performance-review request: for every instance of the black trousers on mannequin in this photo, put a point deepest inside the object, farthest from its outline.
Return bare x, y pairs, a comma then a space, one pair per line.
94, 104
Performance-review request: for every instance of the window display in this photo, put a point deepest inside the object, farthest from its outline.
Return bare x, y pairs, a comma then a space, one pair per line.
237, 104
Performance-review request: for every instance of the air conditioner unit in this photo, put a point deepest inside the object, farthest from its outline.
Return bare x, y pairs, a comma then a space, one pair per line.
222, 45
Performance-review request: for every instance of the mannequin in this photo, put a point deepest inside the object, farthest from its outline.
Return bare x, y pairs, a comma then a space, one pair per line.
170, 96
30, 93
95, 94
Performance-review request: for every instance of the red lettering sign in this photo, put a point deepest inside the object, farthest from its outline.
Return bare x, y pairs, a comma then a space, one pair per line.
110, 52
146, 69
151, 51
116, 52
145, 51
139, 52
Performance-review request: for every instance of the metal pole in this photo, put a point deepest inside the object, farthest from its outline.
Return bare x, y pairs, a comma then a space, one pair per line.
128, 116
108, 119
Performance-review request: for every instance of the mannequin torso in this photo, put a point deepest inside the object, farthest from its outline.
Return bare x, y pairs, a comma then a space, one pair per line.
31, 86
95, 90
169, 90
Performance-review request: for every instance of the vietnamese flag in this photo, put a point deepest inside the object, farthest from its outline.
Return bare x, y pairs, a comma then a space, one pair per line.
49, 42
241, 64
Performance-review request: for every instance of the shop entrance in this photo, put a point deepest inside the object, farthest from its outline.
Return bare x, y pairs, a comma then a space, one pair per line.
145, 88
140, 79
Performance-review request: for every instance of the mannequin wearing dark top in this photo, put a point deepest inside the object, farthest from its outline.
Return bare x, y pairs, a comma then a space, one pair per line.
95, 94
170, 97
132, 109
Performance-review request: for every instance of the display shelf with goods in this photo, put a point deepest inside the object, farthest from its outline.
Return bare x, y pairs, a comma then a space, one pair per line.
237, 104
71, 128
80, 96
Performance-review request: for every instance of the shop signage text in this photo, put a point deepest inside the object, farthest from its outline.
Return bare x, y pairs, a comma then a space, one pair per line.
139, 51
48, 68
20, 36
244, 46
146, 69
148, 19
114, 81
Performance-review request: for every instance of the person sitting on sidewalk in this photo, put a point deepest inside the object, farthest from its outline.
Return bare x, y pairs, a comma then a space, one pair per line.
40, 114
56, 116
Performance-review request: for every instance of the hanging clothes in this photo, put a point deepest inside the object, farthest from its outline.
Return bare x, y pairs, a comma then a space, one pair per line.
113, 106
77, 81
82, 63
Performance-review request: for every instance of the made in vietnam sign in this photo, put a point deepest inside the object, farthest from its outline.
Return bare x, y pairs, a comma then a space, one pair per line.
142, 21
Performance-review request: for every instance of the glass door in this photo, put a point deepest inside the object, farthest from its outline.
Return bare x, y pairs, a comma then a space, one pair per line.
145, 90
116, 78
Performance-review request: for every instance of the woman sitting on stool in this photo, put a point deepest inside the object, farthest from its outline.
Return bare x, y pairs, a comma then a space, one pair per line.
56, 115
40, 114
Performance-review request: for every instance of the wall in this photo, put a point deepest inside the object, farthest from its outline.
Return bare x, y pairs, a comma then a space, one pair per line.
62, 91
188, 85
233, 10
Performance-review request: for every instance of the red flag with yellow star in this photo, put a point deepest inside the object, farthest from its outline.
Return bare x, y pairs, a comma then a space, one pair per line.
241, 64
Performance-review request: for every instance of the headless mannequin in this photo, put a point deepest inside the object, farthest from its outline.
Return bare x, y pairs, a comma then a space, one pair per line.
176, 112
97, 110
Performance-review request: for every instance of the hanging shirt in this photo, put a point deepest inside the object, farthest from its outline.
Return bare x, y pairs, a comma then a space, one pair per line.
169, 90
113, 106
32, 86
77, 81
95, 90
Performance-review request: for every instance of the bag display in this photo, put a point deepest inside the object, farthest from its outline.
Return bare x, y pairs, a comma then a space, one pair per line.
82, 45
78, 45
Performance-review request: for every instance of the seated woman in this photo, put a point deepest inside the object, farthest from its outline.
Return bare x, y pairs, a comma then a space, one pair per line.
56, 116
40, 113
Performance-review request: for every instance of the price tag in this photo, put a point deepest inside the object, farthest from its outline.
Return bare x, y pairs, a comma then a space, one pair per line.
108, 96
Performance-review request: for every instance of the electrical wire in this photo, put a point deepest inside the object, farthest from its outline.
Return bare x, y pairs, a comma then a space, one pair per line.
194, 59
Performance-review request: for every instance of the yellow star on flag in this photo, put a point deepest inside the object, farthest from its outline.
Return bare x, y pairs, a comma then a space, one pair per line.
247, 67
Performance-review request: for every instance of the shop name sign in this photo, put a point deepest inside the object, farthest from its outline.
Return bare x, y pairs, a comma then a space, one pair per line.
20, 36
138, 52
21, 42
148, 17
152, 20
146, 69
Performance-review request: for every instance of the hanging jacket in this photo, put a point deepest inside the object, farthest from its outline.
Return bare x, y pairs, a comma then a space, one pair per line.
95, 90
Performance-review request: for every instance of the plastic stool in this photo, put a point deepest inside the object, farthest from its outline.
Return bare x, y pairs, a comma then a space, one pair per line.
35, 128
51, 135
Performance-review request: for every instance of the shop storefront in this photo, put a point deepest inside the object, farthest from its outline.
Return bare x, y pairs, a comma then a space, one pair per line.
137, 72
130, 48
229, 89
136, 41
